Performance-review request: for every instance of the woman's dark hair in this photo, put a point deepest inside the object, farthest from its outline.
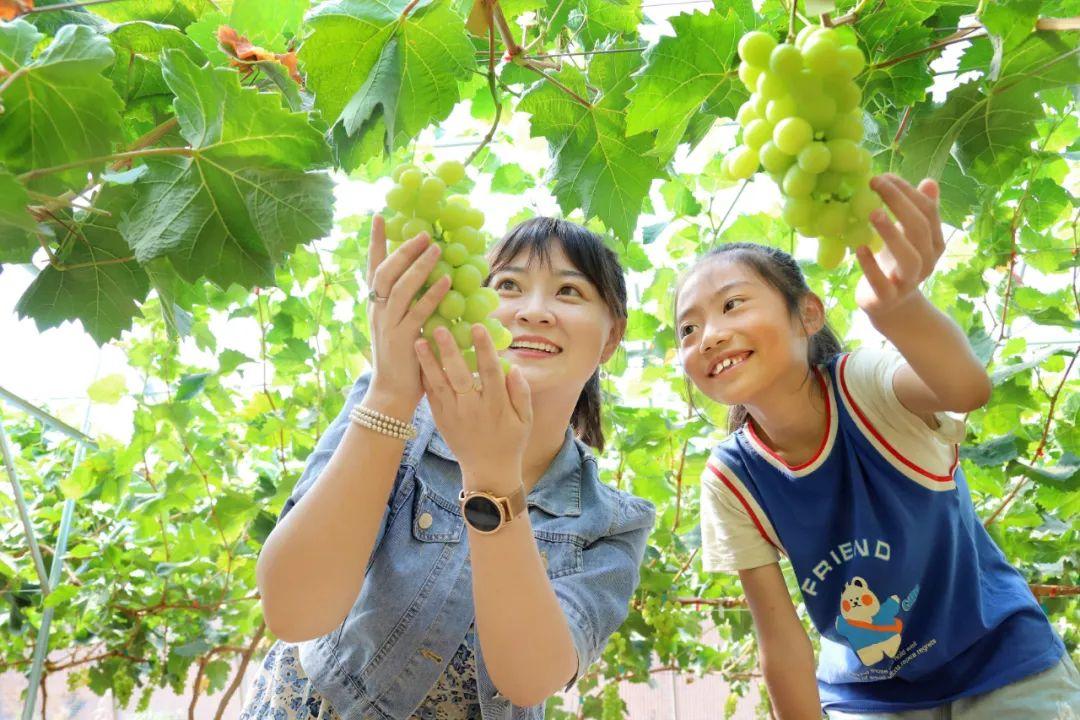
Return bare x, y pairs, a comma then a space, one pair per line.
778, 269
587, 252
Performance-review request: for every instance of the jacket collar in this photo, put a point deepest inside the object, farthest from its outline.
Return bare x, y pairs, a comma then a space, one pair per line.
558, 491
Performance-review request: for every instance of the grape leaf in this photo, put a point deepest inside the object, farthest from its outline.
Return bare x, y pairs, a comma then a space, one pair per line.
596, 20
17, 226
104, 297
596, 167
268, 23
992, 126
683, 73
180, 13
58, 108
238, 198
416, 61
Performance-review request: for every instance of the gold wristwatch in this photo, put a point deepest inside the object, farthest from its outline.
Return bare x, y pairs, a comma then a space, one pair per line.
487, 513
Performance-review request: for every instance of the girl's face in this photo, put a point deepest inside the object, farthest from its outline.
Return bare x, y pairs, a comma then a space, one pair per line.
562, 328
737, 337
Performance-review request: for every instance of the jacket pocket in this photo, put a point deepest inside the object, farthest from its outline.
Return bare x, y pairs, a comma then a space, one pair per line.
435, 519
561, 553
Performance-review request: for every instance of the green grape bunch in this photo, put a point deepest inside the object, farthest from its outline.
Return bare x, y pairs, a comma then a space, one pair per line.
418, 203
803, 124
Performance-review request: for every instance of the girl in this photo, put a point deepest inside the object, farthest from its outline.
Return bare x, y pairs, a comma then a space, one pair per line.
469, 563
848, 464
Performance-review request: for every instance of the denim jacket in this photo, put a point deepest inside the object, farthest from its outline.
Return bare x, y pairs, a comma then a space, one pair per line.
416, 602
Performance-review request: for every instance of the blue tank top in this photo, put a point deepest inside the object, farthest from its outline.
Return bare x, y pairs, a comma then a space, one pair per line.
915, 604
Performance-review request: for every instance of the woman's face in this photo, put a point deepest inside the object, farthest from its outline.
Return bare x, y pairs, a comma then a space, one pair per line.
562, 328
737, 337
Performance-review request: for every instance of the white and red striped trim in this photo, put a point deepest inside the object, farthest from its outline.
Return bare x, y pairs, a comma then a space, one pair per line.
899, 461
732, 482
827, 442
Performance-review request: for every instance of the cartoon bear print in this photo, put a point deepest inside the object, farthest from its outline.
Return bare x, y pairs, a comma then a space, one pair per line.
870, 627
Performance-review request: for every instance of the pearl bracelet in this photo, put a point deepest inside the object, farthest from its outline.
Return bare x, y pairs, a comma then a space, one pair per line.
380, 423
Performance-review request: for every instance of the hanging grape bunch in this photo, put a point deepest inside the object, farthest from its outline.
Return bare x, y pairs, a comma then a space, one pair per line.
418, 204
803, 124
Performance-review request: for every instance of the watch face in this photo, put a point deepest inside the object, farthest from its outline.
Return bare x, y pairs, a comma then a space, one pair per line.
482, 513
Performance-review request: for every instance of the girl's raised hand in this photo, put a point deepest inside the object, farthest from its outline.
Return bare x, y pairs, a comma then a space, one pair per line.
486, 421
912, 246
395, 320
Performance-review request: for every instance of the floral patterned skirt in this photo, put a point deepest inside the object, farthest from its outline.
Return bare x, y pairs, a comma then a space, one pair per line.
283, 691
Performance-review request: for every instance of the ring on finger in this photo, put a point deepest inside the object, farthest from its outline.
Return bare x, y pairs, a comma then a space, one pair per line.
373, 296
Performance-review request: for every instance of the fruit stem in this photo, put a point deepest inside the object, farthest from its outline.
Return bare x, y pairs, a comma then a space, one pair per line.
791, 21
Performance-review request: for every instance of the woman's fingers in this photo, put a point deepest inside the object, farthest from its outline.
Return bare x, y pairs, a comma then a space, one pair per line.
391, 268
932, 192
873, 273
432, 376
457, 372
520, 394
487, 359
376, 248
425, 307
410, 281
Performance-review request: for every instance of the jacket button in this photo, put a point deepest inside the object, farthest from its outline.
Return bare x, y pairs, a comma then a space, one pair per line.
424, 521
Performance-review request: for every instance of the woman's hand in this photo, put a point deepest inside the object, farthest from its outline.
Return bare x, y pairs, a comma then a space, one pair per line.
912, 248
395, 320
486, 422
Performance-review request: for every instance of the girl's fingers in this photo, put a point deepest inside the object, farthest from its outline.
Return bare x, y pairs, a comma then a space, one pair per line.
520, 394
419, 313
914, 222
487, 359
872, 272
908, 264
457, 372
376, 248
411, 280
932, 192
431, 375
391, 268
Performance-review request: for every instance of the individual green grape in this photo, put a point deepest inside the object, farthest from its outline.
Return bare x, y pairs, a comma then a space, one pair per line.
746, 113
441, 269
798, 182
462, 332
792, 134
851, 60
456, 254
864, 163
821, 52
475, 218
400, 199
742, 162
814, 158
785, 60
467, 280
845, 155
410, 179
761, 103
488, 297
798, 211
804, 35
499, 334
478, 262
833, 219
820, 112
757, 133
435, 321
452, 305
471, 238
830, 252
432, 190
476, 308
847, 126
771, 86
864, 202
452, 217
829, 182
748, 74
430, 212
461, 201
451, 172
847, 96
397, 172
393, 227
755, 48
807, 87
861, 234
780, 108
774, 159
415, 226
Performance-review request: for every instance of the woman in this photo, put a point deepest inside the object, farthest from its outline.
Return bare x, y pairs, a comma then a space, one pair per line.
469, 563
